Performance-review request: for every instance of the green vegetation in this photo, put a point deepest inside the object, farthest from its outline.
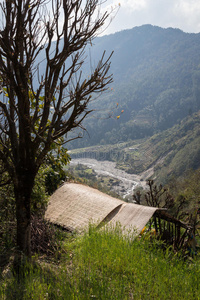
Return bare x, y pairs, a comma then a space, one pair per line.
104, 265
49, 177
156, 84
85, 175
99, 264
187, 191
38, 112
172, 152
153, 110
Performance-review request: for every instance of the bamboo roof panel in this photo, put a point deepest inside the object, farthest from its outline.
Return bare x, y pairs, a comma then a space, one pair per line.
74, 206
133, 217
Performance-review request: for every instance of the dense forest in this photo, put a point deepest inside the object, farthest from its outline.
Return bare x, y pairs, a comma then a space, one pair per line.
156, 84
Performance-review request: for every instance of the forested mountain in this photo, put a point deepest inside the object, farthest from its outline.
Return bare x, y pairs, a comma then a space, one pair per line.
156, 84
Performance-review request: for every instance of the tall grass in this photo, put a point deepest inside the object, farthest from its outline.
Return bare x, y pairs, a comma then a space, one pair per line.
101, 264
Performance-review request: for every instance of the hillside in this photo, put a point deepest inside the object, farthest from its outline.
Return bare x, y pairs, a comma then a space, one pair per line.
104, 265
156, 83
172, 152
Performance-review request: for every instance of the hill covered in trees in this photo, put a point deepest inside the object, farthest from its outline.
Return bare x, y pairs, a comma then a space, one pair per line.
156, 84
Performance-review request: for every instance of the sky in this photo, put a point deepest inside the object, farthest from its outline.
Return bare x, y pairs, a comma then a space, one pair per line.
182, 14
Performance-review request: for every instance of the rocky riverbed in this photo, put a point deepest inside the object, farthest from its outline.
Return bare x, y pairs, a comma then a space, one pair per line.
127, 182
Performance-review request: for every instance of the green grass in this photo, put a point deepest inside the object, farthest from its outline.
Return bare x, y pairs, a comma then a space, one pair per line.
103, 265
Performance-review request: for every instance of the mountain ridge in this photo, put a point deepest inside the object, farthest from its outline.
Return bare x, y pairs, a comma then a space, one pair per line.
156, 83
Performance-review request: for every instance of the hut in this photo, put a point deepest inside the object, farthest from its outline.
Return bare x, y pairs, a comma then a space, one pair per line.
73, 206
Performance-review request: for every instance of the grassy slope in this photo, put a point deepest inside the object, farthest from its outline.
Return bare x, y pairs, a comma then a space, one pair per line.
103, 265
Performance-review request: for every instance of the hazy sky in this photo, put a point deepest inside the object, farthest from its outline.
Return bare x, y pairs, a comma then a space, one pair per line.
182, 14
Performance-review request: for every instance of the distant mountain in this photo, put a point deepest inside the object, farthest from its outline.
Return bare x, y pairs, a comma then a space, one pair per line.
156, 83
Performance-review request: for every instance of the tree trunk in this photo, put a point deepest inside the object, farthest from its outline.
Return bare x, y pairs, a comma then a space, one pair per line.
23, 191
23, 215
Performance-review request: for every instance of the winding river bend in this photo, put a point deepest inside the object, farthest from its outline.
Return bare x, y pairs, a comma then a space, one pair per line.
127, 182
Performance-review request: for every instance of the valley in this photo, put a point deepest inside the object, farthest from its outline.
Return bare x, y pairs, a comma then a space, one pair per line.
166, 155
150, 115
123, 184
119, 113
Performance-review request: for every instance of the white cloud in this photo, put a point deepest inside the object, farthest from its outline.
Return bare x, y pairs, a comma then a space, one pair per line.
186, 15
187, 7
128, 5
133, 5
183, 14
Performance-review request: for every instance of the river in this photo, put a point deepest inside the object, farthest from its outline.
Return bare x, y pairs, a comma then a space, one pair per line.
127, 182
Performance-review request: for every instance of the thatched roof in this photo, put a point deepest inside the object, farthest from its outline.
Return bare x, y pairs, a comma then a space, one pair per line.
74, 206
133, 216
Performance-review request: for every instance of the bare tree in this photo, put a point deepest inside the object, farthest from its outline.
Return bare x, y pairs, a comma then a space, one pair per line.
39, 106
158, 196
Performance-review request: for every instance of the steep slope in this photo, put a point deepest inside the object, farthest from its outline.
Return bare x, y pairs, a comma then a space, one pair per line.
156, 83
170, 153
